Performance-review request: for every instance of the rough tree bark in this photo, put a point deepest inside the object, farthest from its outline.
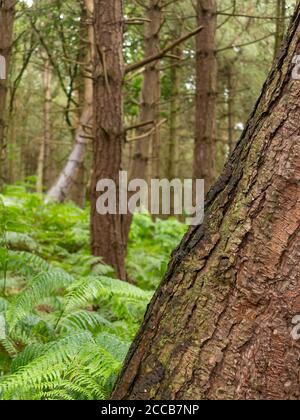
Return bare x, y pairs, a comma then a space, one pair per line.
72, 171
107, 230
206, 86
7, 13
219, 326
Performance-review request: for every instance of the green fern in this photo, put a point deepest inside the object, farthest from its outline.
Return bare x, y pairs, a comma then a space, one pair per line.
42, 286
84, 320
47, 367
89, 289
65, 323
20, 242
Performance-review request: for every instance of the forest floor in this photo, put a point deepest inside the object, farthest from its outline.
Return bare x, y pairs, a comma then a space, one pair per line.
66, 322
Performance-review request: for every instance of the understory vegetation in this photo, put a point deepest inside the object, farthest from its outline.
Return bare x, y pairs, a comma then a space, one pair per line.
66, 322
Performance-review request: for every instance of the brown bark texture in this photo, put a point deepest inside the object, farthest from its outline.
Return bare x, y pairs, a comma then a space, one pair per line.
206, 86
107, 230
219, 326
7, 12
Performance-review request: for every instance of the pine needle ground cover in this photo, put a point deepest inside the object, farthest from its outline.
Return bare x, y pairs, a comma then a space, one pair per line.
66, 322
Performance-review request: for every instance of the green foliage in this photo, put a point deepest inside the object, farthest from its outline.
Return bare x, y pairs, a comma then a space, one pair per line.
66, 323
59, 334
150, 247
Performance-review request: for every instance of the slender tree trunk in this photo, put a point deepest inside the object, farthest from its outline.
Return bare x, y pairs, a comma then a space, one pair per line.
13, 174
206, 86
70, 175
145, 163
219, 326
174, 114
78, 191
173, 120
151, 89
148, 147
43, 158
230, 110
108, 240
280, 24
7, 13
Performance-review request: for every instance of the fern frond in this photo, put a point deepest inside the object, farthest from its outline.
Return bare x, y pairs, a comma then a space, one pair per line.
49, 366
26, 262
5, 340
30, 353
123, 290
3, 304
8, 346
59, 387
117, 347
83, 378
92, 288
20, 242
60, 395
82, 293
83, 320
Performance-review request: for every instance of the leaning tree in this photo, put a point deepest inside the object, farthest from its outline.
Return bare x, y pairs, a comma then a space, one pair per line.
219, 326
7, 13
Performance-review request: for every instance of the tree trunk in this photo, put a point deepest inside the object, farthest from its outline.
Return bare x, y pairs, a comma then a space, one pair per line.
108, 240
230, 106
150, 97
7, 13
280, 24
70, 175
43, 159
145, 162
206, 86
219, 326
174, 114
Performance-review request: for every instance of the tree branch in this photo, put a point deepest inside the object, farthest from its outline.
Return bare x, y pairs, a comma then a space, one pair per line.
253, 17
162, 53
230, 47
136, 21
146, 135
139, 125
